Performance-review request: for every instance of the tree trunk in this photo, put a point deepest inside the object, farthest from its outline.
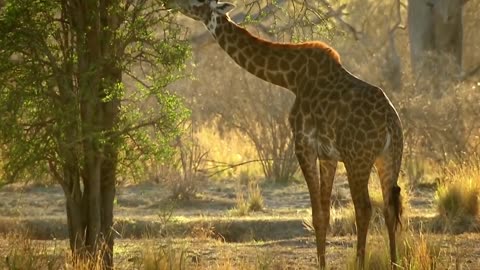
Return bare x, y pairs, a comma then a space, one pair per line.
435, 29
420, 30
108, 196
90, 209
91, 163
109, 166
76, 225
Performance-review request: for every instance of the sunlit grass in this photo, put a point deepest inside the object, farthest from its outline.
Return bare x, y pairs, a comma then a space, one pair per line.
415, 251
229, 148
252, 202
241, 206
457, 199
255, 198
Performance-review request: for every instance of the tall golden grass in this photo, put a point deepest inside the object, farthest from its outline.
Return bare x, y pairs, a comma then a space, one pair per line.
415, 251
457, 198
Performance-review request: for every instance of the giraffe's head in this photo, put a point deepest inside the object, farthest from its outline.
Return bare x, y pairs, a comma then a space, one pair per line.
200, 10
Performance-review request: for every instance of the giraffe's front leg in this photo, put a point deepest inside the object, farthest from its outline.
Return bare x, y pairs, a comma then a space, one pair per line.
307, 158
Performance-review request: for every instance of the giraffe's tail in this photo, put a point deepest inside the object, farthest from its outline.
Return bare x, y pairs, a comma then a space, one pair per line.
396, 152
396, 203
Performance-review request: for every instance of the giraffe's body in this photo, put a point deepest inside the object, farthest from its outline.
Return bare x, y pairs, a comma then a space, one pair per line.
335, 117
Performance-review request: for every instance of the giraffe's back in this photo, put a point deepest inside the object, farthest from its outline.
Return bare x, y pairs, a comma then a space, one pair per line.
344, 117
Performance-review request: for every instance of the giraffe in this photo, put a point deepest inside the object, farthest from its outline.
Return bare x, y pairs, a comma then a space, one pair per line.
336, 117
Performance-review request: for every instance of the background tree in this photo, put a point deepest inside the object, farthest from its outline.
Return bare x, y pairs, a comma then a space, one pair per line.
435, 30
65, 109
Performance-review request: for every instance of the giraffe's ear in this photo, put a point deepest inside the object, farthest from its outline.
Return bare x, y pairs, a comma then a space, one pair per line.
224, 7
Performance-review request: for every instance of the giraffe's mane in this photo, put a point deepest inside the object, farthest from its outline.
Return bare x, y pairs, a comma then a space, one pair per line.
328, 50
313, 44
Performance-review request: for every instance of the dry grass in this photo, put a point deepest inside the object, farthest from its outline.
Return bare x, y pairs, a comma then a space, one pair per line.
418, 252
26, 254
241, 206
255, 198
414, 250
261, 261
253, 203
204, 231
457, 199
89, 263
162, 257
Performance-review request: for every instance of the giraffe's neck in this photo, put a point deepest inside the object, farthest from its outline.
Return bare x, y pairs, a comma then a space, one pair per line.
263, 59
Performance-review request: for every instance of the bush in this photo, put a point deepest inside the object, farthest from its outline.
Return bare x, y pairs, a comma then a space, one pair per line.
457, 201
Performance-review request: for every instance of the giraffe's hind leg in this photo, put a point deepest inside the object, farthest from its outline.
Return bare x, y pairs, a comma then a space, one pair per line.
358, 173
392, 209
327, 175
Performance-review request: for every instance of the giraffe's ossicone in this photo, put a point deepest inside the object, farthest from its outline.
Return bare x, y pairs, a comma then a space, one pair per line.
336, 117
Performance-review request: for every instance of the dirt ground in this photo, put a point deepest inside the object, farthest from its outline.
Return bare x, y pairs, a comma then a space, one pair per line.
205, 231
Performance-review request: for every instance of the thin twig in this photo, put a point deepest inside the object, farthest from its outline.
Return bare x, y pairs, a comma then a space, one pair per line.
228, 166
